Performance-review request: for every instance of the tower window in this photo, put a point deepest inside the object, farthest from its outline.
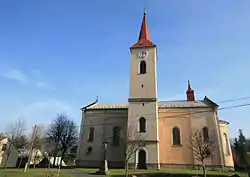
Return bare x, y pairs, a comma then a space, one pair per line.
116, 136
91, 134
142, 125
176, 136
142, 67
205, 134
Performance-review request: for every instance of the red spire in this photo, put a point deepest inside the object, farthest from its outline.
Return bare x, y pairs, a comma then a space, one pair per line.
190, 93
189, 86
144, 33
144, 38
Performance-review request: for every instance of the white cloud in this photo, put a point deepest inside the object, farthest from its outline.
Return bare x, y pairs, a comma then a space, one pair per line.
16, 75
46, 85
38, 112
44, 105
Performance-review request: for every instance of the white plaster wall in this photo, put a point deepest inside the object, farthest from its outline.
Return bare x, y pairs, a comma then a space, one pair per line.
151, 157
226, 144
103, 121
12, 160
91, 119
150, 112
149, 89
116, 118
2, 142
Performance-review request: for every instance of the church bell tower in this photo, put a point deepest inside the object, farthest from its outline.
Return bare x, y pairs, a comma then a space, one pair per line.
143, 102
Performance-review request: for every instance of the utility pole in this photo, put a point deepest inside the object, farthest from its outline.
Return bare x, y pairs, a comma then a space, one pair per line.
31, 148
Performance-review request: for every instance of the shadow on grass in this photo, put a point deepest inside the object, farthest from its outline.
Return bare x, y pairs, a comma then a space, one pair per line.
174, 175
149, 173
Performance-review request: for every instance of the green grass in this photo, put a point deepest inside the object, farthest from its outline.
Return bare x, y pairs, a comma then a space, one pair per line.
113, 172
30, 173
117, 172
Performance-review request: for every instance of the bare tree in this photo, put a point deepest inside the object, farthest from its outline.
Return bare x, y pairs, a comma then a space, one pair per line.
132, 143
21, 145
202, 148
17, 138
54, 136
24, 154
2, 136
63, 134
71, 155
37, 144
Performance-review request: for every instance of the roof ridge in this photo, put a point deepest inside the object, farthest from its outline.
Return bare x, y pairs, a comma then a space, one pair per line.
178, 100
162, 104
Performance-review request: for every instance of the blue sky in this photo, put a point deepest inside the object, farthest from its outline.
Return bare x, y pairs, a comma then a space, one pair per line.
57, 56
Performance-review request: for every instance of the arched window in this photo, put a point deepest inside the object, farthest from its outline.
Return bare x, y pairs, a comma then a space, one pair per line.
91, 134
142, 124
176, 136
116, 136
143, 67
225, 144
205, 134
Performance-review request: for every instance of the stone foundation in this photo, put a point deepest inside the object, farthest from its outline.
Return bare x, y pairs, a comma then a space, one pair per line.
152, 166
184, 166
197, 167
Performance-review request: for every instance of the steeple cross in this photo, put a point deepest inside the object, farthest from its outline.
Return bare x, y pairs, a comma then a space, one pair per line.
145, 10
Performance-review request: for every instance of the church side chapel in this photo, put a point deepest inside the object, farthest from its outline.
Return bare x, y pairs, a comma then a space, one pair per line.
165, 126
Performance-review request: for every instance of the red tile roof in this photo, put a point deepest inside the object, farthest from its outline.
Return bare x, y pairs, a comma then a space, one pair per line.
144, 38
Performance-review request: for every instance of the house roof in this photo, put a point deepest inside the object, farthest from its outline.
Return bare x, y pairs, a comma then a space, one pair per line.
161, 104
2, 137
223, 122
89, 105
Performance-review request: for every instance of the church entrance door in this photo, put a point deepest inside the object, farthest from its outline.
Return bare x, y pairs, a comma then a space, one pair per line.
142, 159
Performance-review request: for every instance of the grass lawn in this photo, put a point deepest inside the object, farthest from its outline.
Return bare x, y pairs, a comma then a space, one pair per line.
117, 172
30, 173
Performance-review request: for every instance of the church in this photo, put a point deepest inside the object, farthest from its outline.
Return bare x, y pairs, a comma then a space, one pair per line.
165, 127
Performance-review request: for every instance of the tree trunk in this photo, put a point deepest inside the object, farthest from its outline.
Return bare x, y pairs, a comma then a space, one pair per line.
58, 171
7, 158
20, 162
203, 169
49, 163
54, 161
48, 167
126, 168
35, 158
62, 156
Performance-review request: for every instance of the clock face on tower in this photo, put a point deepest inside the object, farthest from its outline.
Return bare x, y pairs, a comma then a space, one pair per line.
142, 54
